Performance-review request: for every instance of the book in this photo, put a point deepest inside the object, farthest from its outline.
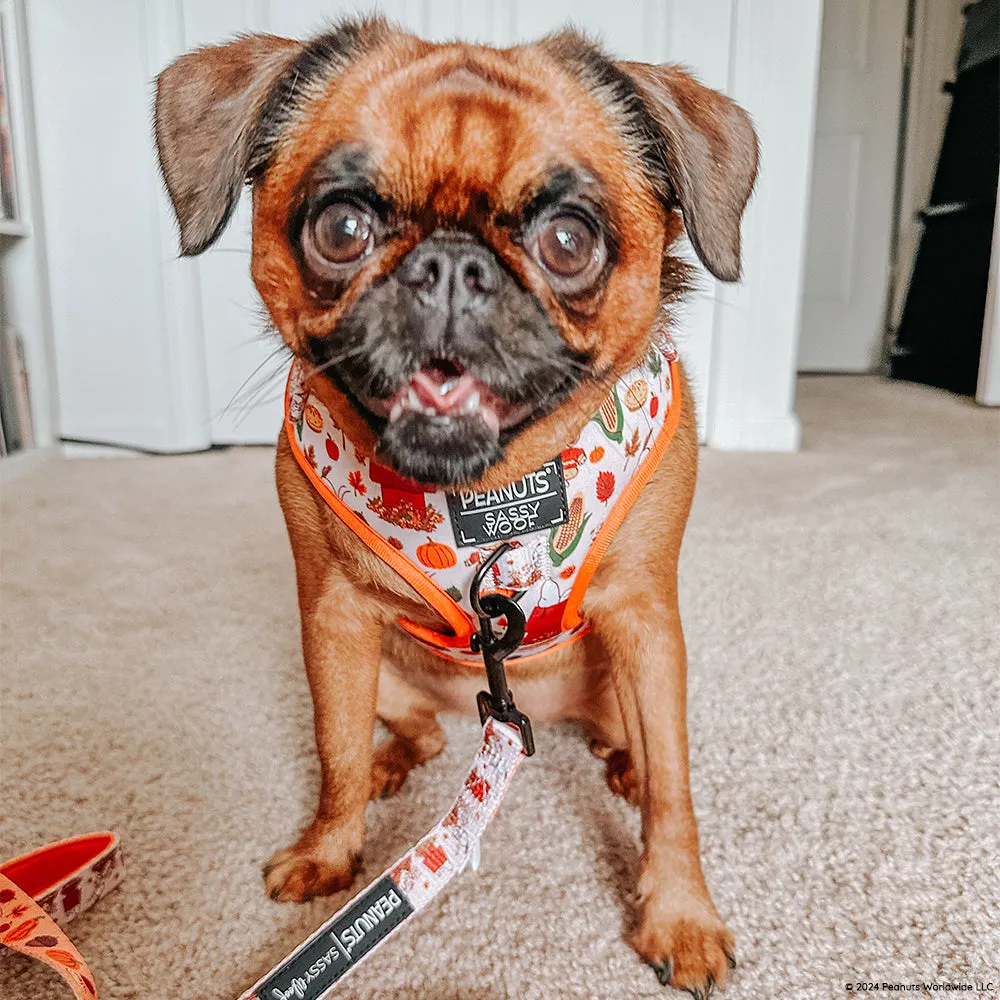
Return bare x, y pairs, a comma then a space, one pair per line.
8, 179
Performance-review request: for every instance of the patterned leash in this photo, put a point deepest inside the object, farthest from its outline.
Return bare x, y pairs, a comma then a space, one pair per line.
57, 883
317, 965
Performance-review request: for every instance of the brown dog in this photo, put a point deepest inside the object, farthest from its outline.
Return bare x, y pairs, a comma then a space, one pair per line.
465, 248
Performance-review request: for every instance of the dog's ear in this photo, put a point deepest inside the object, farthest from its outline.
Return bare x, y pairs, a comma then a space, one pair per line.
710, 159
207, 106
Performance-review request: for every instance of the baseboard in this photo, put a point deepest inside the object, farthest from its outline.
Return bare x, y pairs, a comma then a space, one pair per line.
777, 434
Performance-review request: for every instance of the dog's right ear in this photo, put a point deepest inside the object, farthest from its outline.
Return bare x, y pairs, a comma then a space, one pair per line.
207, 106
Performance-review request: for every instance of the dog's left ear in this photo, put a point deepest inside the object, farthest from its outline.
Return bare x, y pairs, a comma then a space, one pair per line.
711, 159
207, 103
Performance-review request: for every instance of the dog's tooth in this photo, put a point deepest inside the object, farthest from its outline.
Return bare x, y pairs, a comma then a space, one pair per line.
414, 401
397, 410
446, 387
472, 403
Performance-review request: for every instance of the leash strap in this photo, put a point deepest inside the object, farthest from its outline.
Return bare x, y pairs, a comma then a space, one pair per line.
57, 882
313, 969
27, 928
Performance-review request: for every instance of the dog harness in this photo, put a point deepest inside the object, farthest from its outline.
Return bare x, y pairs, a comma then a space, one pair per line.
559, 519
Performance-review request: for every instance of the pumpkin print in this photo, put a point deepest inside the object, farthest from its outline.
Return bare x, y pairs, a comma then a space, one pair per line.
638, 393
436, 555
314, 418
596, 455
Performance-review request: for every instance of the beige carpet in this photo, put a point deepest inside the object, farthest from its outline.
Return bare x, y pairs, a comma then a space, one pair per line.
841, 608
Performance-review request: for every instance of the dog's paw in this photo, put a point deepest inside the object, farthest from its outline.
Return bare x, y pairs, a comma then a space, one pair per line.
622, 777
391, 763
600, 749
313, 866
691, 952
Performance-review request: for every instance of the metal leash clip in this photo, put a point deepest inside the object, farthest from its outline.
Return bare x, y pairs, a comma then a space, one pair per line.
498, 702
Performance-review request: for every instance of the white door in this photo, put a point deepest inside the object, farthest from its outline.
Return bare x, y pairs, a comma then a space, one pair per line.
853, 181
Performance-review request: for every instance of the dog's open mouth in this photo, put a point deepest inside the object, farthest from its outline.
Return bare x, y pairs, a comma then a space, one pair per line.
444, 390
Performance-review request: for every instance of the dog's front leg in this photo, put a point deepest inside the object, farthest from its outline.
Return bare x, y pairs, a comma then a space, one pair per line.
680, 933
341, 643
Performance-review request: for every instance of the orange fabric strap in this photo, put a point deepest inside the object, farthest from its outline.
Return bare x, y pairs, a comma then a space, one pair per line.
27, 928
49, 887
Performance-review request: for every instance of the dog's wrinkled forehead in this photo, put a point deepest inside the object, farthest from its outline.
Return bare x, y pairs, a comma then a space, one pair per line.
449, 134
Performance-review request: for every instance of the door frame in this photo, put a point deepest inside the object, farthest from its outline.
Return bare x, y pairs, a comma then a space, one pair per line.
930, 51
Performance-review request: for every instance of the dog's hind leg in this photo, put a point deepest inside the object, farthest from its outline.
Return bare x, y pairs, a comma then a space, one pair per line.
411, 718
608, 742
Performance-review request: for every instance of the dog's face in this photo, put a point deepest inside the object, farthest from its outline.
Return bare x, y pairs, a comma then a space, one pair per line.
468, 243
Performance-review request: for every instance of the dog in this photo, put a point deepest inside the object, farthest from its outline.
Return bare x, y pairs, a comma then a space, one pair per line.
471, 254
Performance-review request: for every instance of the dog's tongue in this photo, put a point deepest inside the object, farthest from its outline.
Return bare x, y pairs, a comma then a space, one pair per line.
443, 389
443, 392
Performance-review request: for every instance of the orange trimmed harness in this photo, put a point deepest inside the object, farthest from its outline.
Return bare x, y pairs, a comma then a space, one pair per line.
559, 520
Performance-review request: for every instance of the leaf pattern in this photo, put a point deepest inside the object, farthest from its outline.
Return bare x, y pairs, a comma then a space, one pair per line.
633, 446
21, 931
62, 957
605, 486
42, 941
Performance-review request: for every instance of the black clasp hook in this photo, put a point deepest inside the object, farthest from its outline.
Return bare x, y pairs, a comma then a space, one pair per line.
498, 702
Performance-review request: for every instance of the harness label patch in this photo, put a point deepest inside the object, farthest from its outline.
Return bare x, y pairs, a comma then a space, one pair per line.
309, 973
535, 503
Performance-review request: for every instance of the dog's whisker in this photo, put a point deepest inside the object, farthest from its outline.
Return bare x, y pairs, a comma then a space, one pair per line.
247, 396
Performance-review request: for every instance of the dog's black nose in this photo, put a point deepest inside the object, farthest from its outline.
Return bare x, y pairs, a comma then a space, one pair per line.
451, 272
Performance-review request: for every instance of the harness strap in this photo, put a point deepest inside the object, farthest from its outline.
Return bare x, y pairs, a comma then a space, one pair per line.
314, 968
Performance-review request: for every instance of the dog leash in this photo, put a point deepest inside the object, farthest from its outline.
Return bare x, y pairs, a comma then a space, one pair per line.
42, 891
316, 966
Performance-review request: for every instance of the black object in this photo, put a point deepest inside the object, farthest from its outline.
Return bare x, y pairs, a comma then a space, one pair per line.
939, 338
310, 972
498, 702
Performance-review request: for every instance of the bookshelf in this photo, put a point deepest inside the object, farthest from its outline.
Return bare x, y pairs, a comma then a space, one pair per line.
18, 266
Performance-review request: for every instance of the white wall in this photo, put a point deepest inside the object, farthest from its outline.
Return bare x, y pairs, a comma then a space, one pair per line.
988, 387
150, 350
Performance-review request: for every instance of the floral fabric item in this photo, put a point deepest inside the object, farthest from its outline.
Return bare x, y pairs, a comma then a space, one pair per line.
620, 443
79, 892
425, 869
27, 928
42, 891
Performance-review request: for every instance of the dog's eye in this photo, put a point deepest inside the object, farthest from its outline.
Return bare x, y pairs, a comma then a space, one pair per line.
341, 233
567, 246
